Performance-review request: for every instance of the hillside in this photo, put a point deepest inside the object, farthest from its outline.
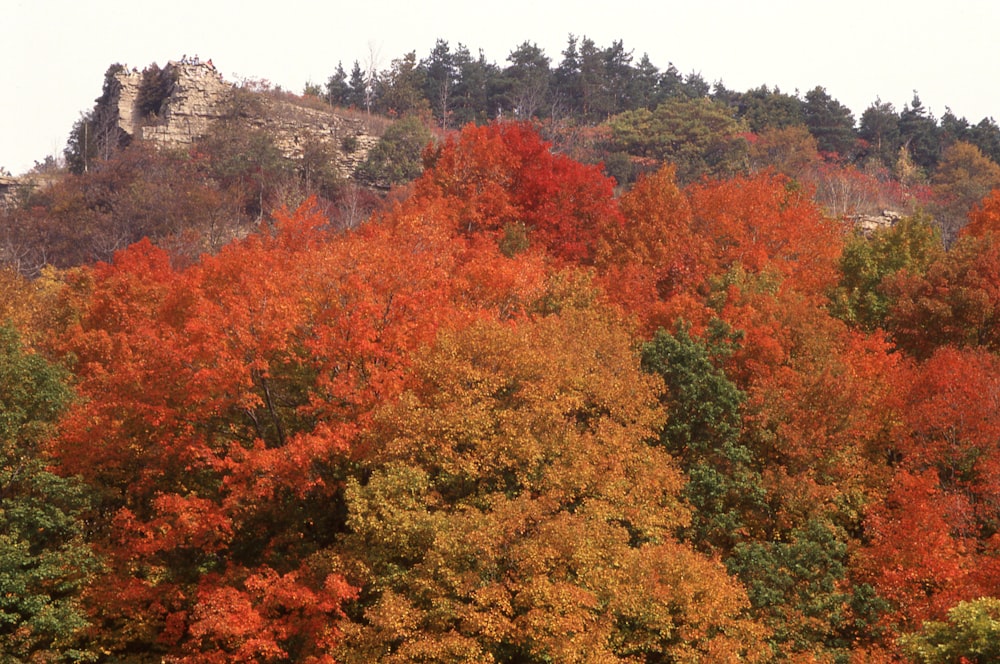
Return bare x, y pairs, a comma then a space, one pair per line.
509, 409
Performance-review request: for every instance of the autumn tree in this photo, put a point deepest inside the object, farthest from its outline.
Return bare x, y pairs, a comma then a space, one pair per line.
503, 179
984, 217
791, 151
931, 543
516, 512
861, 298
964, 177
953, 302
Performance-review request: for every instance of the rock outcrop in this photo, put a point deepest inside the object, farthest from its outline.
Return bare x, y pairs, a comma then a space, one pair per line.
177, 105
868, 223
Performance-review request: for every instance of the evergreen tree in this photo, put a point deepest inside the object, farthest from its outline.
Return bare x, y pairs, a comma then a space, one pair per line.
830, 122
338, 90
920, 134
880, 131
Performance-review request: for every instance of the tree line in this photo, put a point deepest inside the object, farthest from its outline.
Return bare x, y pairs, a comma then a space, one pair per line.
591, 83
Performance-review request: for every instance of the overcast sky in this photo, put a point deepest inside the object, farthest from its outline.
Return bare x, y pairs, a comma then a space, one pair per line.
56, 51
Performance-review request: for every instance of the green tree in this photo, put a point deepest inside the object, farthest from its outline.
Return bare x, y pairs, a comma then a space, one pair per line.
45, 561
830, 122
699, 136
440, 79
920, 134
879, 129
762, 108
357, 94
798, 588
912, 244
338, 90
970, 635
525, 81
396, 158
474, 87
401, 89
703, 433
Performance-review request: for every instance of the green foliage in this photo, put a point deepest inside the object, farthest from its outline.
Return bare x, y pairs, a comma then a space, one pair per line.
830, 122
701, 137
44, 560
401, 88
798, 587
396, 158
970, 635
703, 433
762, 108
911, 244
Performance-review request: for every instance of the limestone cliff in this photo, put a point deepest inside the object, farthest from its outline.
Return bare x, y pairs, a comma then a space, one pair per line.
180, 103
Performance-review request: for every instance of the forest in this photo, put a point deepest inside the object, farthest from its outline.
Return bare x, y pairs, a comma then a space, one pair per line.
600, 378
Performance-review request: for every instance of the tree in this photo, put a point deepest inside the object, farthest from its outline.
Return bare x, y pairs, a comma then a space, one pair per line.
396, 158
703, 432
502, 177
867, 262
337, 89
500, 520
45, 561
762, 108
985, 135
525, 82
699, 136
971, 634
791, 151
930, 542
652, 263
954, 302
830, 122
358, 95
984, 217
441, 79
879, 128
475, 89
920, 135
761, 224
963, 178
567, 84
401, 89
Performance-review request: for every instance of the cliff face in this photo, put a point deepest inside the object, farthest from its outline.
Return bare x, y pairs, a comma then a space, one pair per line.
180, 103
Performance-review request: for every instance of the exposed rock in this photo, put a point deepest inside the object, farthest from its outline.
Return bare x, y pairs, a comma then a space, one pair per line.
195, 97
868, 224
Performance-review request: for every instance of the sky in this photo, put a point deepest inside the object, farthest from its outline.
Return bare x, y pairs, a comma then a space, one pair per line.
56, 51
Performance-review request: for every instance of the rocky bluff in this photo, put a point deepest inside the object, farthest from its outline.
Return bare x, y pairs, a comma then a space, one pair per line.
176, 105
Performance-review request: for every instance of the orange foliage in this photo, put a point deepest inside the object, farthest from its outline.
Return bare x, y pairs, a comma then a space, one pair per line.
984, 217
501, 175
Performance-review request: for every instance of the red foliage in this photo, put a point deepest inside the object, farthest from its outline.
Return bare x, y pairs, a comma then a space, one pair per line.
956, 302
222, 404
934, 540
984, 217
503, 174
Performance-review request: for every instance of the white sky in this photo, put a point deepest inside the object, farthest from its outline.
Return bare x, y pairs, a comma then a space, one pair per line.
56, 51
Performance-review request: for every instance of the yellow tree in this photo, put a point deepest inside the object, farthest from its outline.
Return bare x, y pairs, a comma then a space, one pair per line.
516, 511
